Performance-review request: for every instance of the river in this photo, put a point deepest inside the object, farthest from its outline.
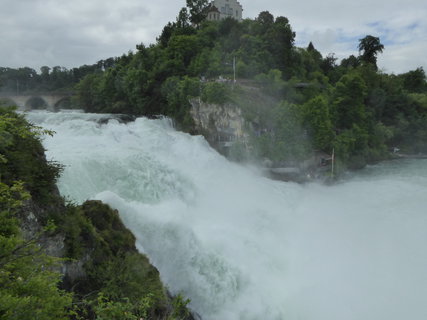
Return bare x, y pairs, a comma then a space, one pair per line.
241, 246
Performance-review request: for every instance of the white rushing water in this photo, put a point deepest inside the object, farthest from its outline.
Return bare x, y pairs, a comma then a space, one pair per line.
241, 246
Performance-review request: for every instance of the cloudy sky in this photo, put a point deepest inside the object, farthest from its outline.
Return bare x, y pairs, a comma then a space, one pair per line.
71, 33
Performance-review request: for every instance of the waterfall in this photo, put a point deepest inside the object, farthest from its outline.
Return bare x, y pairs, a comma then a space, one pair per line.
241, 246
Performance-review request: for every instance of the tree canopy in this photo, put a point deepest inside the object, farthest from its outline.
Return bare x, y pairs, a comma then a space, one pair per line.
197, 10
369, 47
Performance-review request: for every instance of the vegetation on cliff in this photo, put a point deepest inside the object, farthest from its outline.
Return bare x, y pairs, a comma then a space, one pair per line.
103, 275
28, 287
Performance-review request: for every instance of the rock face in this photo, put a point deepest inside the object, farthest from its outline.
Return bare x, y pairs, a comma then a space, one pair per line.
224, 125
221, 125
53, 244
31, 216
99, 253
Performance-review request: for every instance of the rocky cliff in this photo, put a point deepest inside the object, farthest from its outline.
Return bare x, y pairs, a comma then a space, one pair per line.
221, 125
233, 128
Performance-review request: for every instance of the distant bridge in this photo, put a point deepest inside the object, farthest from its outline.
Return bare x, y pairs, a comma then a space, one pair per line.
39, 101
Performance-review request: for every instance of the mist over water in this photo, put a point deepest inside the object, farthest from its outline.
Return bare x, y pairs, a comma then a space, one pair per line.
241, 246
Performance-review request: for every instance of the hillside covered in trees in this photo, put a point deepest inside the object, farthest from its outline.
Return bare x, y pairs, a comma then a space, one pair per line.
315, 103
319, 104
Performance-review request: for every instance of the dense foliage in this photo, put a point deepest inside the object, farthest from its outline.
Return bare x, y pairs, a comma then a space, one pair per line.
24, 158
310, 104
118, 282
27, 80
28, 286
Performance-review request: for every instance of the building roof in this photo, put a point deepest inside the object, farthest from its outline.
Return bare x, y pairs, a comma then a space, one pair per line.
212, 8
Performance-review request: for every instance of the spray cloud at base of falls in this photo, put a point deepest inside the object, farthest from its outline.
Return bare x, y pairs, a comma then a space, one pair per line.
241, 246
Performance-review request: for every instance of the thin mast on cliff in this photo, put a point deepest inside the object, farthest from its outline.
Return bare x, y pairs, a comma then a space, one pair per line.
333, 162
234, 69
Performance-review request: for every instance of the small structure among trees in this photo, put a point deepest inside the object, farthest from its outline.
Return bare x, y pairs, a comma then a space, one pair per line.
213, 13
221, 9
215, 10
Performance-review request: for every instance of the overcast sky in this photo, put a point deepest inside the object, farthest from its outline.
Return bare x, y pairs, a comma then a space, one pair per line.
71, 33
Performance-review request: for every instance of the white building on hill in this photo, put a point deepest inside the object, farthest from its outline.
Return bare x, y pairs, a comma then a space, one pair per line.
221, 9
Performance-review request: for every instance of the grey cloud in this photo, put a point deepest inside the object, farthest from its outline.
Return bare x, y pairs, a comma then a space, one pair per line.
72, 33
336, 25
69, 33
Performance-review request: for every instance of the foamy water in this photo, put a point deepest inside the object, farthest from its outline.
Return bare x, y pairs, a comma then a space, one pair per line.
241, 246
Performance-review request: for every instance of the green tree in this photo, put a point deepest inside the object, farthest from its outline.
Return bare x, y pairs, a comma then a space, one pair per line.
197, 10
122, 310
45, 70
215, 92
21, 151
286, 140
178, 93
265, 18
279, 40
253, 53
348, 101
369, 47
350, 62
182, 21
182, 49
272, 83
166, 34
351, 147
328, 63
88, 93
318, 121
415, 80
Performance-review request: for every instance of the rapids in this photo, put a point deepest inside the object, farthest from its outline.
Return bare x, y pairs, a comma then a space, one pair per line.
241, 246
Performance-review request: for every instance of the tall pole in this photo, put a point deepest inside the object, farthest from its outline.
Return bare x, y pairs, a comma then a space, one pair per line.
234, 69
333, 162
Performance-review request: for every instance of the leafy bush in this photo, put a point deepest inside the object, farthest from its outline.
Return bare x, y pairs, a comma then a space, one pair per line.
215, 92
28, 286
113, 268
106, 309
23, 156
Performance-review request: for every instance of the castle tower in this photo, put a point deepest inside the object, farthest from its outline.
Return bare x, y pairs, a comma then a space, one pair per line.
221, 9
